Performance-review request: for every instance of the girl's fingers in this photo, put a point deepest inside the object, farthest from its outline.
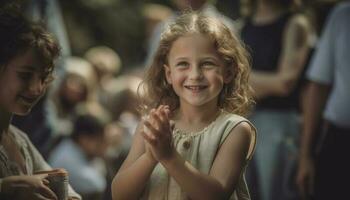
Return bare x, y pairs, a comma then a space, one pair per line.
164, 115
47, 192
160, 115
151, 128
167, 110
45, 181
164, 109
148, 138
158, 121
159, 108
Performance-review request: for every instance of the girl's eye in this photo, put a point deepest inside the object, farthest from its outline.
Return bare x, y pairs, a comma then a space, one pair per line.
26, 76
182, 64
208, 64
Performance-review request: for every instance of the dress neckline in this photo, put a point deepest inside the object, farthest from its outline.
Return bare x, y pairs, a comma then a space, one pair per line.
183, 133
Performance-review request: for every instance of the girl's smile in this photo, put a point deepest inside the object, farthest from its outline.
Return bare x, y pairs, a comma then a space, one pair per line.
29, 101
196, 88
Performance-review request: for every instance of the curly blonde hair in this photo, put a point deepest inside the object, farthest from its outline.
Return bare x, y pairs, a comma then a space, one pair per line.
235, 97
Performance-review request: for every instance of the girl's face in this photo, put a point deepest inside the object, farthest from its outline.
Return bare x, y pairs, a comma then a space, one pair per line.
196, 71
22, 83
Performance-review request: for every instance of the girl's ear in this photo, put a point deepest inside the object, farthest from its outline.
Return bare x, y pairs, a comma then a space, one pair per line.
167, 73
228, 76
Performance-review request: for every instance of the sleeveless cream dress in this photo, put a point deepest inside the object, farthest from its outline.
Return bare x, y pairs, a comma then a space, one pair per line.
199, 149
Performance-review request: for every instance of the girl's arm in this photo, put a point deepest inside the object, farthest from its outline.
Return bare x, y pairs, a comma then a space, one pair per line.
132, 176
295, 49
226, 169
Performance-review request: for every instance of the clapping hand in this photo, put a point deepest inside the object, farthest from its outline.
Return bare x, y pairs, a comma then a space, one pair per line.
158, 133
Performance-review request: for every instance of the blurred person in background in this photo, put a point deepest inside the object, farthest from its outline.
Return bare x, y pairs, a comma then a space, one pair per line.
106, 63
279, 41
319, 11
76, 91
117, 94
154, 14
118, 24
324, 166
114, 91
77, 153
121, 100
119, 141
27, 56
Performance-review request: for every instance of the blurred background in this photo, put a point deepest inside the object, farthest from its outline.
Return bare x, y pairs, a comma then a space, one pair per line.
86, 121
123, 25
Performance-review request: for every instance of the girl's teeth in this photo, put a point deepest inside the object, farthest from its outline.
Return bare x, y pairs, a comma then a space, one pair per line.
195, 87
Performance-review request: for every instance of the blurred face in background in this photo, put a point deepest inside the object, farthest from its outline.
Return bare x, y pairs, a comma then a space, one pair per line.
23, 81
73, 90
94, 146
283, 3
184, 4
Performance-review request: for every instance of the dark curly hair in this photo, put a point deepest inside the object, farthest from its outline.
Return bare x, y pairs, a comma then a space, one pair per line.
17, 35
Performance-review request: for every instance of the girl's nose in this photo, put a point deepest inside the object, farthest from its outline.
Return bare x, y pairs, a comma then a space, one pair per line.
196, 73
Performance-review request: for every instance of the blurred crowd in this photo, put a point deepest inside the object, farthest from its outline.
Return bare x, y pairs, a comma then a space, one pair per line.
86, 120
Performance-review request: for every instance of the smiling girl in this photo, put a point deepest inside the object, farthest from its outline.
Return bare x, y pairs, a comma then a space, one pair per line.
27, 54
192, 142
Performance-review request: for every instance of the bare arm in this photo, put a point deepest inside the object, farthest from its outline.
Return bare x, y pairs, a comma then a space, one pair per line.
224, 174
132, 176
295, 50
314, 101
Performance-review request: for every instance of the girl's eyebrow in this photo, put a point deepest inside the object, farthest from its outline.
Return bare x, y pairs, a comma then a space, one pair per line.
209, 57
34, 68
28, 67
202, 58
180, 58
